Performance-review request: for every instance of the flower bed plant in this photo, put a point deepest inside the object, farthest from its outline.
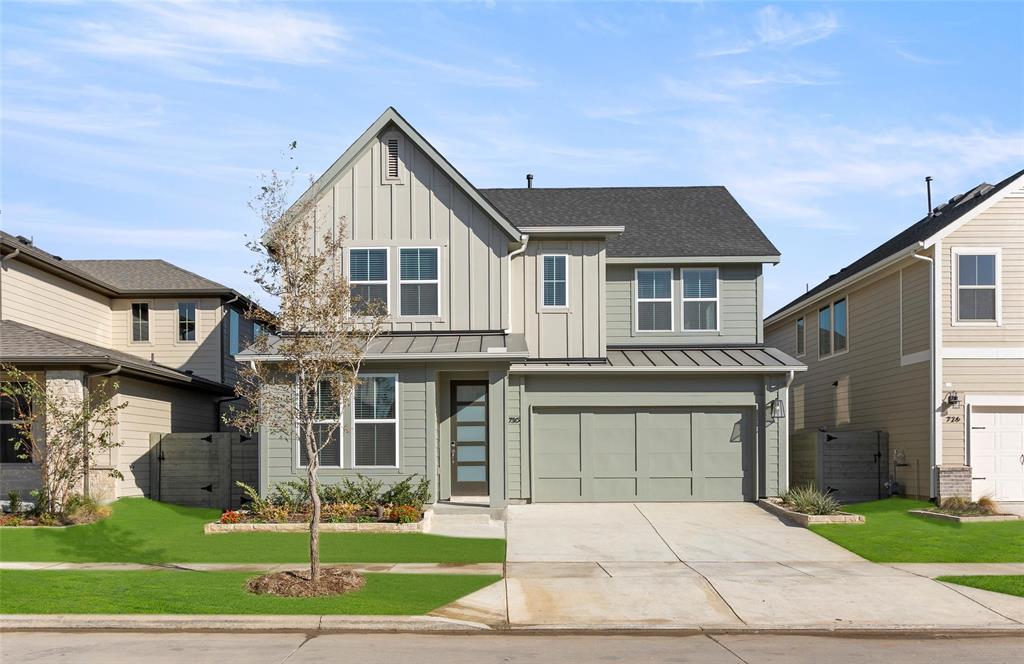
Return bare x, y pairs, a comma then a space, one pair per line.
809, 500
958, 506
77, 510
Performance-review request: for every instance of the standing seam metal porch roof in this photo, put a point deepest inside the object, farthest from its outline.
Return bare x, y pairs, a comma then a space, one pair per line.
415, 346
753, 360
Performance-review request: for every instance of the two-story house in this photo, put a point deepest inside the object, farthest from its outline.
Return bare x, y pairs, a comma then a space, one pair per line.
549, 344
923, 338
165, 335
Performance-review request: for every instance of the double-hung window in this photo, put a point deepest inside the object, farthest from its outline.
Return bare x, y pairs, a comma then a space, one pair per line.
368, 280
801, 337
234, 332
555, 279
140, 321
977, 286
700, 299
325, 407
186, 321
654, 310
14, 410
833, 328
375, 421
417, 281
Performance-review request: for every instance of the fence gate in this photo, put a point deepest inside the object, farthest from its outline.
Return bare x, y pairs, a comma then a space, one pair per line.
200, 469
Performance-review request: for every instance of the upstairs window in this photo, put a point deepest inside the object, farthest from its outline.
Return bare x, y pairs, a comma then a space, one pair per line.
326, 409
833, 324
801, 337
977, 286
233, 332
368, 279
654, 300
186, 321
700, 299
555, 278
824, 331
418, 283
140, 321
375, 421
14, 413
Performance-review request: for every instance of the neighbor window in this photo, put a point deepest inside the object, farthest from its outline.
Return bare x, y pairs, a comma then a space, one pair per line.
368, 279
326, 408
555, 278
654, 300
140, 321
833, 328
977, 287
375, 421
186, 321
233, 331
801, 339
700, 299
13, 446
418, 284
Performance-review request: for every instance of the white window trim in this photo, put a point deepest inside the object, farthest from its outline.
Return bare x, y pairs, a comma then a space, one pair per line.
387, 273
131, 322
298, 431
954, 312
433, 317
717, 299
384, 177
177, 323
832, 328
670, 299
398, 431
799, 333
554, 307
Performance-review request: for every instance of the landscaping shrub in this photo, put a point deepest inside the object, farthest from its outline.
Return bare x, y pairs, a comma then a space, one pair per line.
14, 501
338, 512
809, 500
364, 491
960, 506
292, 495
231, 516
403, 514
82, 509
407, 493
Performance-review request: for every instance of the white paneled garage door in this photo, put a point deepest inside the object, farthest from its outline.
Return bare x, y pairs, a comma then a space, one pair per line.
997, 453
641, 454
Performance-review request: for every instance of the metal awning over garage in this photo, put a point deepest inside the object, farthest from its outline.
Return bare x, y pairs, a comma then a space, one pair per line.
656, 359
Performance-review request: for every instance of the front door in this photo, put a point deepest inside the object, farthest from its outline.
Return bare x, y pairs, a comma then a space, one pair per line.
469, 438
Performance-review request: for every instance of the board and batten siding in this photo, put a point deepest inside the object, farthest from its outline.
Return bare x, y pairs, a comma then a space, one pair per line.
574, 331
202, 356
867, 387
517, 463
739, 307
426, 209
45, 301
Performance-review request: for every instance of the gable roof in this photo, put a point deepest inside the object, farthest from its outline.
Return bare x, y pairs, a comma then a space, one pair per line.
659, 221
942, 217
392, 117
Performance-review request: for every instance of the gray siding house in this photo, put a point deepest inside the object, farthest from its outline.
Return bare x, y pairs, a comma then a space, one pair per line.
550, 345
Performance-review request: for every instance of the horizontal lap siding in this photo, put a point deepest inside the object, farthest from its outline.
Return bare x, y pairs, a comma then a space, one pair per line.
974, 376
916, 285
42, 300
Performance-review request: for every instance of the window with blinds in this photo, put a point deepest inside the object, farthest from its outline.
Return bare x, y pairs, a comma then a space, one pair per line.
654, 300
368, 280
375, 421
418, 281
324, 405
700, 299
555, 281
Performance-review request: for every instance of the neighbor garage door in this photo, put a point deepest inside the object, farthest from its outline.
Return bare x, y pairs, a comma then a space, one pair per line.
657, 454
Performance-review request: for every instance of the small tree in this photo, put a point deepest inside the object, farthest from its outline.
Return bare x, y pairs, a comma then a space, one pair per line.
320, 334
61, 430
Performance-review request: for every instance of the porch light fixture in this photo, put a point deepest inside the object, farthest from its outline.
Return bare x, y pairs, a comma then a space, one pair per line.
778, 409
953, 399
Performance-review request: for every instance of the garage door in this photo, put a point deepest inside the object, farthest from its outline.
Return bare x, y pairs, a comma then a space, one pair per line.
997, 453
656, 454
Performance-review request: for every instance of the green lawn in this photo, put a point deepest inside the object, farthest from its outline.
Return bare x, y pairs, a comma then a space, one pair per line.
891, 535
220, 593
1011, 585
145, 531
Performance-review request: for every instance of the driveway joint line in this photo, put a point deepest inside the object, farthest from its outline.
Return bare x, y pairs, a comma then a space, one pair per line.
658, 533
952, 586
718, 594
726, 648
307, 639
604, 569
794, 568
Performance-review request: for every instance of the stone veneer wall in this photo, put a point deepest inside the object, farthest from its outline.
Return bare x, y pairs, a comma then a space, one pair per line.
954, 481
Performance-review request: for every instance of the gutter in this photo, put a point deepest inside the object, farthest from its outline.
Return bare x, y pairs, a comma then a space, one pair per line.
517, 252
11, 256
933, 370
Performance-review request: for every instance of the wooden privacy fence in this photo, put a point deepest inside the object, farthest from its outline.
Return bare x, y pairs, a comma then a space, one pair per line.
200, 469
851, 464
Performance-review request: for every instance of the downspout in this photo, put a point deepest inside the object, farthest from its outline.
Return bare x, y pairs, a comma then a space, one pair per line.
10, 256
784, 430
517, 252
85, 397
933, 324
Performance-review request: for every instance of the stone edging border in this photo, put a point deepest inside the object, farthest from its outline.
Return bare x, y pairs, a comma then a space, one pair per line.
939, 516
805, 520
421, 526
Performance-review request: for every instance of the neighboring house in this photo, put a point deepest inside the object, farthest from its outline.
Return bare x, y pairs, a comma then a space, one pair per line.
550, 344
164, 334
923, 338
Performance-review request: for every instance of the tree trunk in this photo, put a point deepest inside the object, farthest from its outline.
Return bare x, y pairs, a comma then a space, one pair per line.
314, 519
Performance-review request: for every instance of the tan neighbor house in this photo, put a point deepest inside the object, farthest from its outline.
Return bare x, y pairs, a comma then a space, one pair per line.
948, 396
164, 334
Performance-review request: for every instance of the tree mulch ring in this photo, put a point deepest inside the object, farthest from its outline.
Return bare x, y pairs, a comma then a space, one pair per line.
333, 581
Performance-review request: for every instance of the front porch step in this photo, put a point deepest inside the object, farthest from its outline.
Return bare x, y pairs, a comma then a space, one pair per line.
485, 511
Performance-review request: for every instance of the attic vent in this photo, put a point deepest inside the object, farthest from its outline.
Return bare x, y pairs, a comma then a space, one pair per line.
391, 164
392, 158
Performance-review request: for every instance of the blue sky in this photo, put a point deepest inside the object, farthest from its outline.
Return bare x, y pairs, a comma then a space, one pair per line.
138, 130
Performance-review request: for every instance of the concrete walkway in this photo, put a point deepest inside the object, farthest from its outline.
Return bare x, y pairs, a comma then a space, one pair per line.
379, 568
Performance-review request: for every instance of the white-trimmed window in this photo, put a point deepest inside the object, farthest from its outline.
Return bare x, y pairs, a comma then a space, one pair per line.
391, 158
654, 306
375, 421
801, 336
187, 321
700, 299
555, 280
13, 411
140, 322
368, 278
976, 294
418, 286
327, 429
833, 328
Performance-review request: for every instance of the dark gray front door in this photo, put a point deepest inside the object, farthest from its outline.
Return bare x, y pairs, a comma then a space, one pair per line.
469, 438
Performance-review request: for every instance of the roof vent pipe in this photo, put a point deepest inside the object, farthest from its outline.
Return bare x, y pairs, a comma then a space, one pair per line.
529, 180
928, 184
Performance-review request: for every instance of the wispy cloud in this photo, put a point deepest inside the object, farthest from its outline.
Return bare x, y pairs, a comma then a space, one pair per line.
461, 74
919, 59
777, 29
693, 91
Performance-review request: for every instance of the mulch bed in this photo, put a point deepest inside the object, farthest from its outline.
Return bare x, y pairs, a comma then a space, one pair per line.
333, 581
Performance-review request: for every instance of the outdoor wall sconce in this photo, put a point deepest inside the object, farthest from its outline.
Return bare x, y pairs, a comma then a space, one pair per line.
778, 409
953, 399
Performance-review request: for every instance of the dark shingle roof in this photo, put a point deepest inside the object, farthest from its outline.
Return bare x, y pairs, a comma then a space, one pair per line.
145, 274
659, 221
943, 216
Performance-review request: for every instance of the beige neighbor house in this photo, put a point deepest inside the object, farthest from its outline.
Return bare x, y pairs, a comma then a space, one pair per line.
922, 341
164, 334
